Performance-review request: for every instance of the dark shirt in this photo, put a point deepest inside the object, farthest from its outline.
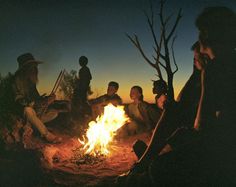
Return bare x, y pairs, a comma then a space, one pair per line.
218, 110
85, 75
188, 100
219, 105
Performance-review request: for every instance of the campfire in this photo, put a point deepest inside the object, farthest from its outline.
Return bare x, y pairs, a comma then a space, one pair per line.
96, 159
102, 131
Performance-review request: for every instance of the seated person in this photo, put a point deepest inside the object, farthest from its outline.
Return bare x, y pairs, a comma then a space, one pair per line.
143, 116
161, 101
183, 139
111, 96
27, 99
187, 100
160, 88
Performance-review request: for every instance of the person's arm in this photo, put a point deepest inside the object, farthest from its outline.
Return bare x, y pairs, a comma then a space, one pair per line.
183, 136
154, 143
90, 76
163, 129
199, 116
50, 99
19, 95
154, 114
97, 100
115, 100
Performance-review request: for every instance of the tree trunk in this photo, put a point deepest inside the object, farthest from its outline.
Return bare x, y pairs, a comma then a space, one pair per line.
171, 95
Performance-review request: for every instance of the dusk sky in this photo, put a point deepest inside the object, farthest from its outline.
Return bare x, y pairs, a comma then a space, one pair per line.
58, 32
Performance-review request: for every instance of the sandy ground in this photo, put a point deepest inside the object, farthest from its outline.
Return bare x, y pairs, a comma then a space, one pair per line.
64, 163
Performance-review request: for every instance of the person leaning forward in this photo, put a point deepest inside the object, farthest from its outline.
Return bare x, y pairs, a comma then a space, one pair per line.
111, 96
27, 98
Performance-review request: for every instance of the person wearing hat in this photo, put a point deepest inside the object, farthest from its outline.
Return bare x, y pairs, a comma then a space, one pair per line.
27, 97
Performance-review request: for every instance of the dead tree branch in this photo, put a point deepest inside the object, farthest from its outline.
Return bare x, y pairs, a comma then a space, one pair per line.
173, 55
162, 48
136, 42
175, 24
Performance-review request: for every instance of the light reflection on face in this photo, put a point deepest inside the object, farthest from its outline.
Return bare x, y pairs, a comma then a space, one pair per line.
198, 60
111, 90
161, 101
134, 94
207, 51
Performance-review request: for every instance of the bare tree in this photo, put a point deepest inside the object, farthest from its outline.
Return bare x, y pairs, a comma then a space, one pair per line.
162, 48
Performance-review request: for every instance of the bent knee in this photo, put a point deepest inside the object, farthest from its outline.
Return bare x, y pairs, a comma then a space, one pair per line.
29, 111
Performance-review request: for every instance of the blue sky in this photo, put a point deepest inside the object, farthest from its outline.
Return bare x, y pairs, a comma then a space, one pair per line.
58, 32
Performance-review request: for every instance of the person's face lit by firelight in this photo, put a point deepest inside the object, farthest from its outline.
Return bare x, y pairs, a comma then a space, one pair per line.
111, 90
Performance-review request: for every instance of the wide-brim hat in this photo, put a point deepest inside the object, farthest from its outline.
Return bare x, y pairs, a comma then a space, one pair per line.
27, 59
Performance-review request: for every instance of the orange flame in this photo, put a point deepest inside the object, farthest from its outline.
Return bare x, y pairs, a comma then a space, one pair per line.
101, 132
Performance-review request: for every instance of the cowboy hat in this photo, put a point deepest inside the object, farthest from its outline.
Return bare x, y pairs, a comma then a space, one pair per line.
27, 59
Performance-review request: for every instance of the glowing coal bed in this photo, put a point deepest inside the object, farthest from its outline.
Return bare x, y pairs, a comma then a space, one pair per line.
68, 165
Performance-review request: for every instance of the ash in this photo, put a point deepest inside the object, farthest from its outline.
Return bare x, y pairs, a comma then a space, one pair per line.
81, 158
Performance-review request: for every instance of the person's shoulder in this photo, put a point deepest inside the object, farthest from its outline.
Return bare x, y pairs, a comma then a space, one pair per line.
130, 105
85, 68
102, 96
116, 96
144, 104
98, 99
154, 107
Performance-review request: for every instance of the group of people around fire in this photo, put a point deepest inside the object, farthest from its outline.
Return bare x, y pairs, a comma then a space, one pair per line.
192, 136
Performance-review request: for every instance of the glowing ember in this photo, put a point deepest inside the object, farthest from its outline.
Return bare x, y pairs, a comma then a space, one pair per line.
101, 132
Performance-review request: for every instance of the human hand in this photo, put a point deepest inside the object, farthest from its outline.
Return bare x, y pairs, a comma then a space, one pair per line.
51, 98
43, 95
200, 61
166, 149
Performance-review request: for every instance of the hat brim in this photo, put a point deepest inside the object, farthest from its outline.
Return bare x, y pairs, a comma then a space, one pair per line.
32, 62
35, 61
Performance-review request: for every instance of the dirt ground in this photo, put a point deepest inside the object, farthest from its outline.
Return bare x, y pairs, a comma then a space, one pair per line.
58, 165
66, 166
